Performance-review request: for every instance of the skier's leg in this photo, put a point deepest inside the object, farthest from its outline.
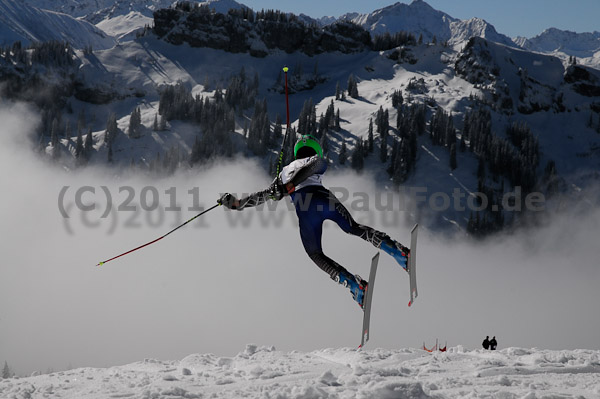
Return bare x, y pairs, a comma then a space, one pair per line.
311, 231
311, 234
338, 213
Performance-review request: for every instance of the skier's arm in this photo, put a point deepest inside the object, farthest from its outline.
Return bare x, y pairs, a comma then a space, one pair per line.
315, 165
275, 192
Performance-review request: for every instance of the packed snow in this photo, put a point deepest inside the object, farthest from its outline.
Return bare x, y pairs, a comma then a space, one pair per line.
264, 372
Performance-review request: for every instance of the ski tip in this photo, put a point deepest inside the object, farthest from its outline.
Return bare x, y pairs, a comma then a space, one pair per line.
100, 264
409, 303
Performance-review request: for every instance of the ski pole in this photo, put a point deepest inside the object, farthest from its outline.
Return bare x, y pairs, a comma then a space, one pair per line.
287, 112
161, 237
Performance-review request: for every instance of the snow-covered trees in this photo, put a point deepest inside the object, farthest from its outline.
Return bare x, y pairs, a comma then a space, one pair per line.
338, 91
88, 145
176, 102
516, 158
216, 116
358, 155
241, 30
389, 41
343, 156
111, 129
397, 98
441, 128
410, 124
135, 123
382, 122
307, 120
260, 137
370, 137
352, 86
79, 146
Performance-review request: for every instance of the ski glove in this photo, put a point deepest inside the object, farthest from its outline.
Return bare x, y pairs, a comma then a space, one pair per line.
228, 201
277, 190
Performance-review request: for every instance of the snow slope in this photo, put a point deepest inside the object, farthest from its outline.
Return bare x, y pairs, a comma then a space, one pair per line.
125, 27
263, 372
28, 24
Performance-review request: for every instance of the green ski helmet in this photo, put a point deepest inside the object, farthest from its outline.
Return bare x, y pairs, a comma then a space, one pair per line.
307, 144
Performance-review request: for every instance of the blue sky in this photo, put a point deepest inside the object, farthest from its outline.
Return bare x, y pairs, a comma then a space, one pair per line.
511, 17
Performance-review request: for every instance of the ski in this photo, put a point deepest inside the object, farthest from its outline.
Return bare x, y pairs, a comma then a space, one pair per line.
367, 301
412, 264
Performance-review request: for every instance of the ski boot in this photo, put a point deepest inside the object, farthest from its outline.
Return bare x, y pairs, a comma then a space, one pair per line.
397, 251
357, 286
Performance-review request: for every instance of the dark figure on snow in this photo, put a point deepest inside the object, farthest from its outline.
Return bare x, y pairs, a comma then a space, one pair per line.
493, 343
314, 204
486, 342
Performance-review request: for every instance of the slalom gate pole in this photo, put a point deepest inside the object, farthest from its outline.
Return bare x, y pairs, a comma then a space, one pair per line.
287, 101
161, 237
287, 111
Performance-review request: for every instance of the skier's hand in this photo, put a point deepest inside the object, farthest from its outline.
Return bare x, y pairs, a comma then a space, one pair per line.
229, 201
276, 190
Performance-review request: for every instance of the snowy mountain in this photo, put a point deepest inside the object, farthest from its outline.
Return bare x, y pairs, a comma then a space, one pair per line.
28, 24
263, 372
120, 19
581, 45
565, 44
463, 30
95, 11
420, 18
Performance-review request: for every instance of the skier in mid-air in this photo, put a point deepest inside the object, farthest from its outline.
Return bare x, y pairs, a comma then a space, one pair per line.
302, 181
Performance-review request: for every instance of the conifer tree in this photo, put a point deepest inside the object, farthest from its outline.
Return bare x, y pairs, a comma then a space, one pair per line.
54, 133
453, 163
370, 136
89, 143
383, 150
68, 132
111, 129
109, 156
79, 149
357, 159
343, 157
352, 87
135, 123
6, 371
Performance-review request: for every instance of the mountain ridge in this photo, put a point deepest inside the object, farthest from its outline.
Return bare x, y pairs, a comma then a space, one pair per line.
418, 17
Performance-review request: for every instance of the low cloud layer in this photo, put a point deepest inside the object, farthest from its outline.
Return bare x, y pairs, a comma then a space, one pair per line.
222, 282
